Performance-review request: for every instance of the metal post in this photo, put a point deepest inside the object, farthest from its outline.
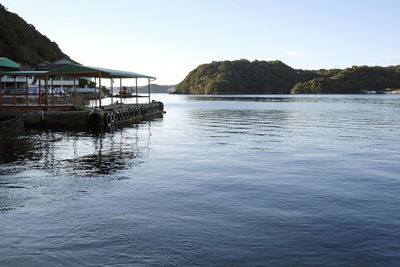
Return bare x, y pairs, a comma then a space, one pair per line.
15, 91
47, 92
136, 93
1, 92
95, 91
26, 91
100, 89
149, 89
112, 91
52, 90
65, 97
120, 90
40, 92
74, 101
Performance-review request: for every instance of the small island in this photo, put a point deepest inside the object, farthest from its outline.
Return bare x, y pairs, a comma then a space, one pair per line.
275, 77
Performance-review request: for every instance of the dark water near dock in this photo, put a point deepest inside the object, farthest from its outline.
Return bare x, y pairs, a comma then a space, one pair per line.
227, 180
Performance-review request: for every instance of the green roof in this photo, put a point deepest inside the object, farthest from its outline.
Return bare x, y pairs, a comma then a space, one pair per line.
8, 63
23, 73
87, 71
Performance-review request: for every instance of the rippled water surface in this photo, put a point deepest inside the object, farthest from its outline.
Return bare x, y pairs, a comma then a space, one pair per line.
227, 180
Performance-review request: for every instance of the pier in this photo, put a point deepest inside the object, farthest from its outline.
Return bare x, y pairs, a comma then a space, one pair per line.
46, 109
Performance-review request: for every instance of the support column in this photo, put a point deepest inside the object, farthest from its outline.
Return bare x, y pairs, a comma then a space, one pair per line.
100, 89
120, 90
52, 91
1, 92
74, 98
40, 92
26, 91
149, 89
47, 92
95, 91
137, 102
15, 91
112, 91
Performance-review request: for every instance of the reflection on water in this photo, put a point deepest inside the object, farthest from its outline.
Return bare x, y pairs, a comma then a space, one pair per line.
291, 98
231, 180
76, 153
238, 127
29, 157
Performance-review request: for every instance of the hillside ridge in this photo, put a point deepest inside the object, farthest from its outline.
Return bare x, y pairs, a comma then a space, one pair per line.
275, 77
22, 43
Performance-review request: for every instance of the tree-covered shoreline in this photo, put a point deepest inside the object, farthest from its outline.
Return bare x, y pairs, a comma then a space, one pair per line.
21, 42
275, 77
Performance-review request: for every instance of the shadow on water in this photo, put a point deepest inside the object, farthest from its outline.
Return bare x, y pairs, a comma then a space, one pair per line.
12, 147
48, 160
76, 153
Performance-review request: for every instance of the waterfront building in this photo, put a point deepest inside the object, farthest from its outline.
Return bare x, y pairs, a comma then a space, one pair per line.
42, 92
61, 84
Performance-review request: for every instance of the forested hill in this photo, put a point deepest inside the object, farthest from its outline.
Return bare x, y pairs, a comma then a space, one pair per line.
156, 88
21, 42
275, 77
242, 76
352, 80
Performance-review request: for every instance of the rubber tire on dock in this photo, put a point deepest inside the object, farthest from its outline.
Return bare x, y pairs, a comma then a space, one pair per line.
109, 119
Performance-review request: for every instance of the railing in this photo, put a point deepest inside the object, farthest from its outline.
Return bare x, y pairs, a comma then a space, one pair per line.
35, 100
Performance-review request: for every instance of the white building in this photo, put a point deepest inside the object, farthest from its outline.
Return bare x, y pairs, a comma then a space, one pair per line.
61, 84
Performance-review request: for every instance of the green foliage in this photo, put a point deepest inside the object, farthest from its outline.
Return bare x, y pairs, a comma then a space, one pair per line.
242, 76
105, 90
21, 42
314, 86
352, 81
275, 77
84, 82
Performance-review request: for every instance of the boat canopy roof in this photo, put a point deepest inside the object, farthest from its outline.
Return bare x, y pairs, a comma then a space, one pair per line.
8, 63
23, 73
88, 71
78, 70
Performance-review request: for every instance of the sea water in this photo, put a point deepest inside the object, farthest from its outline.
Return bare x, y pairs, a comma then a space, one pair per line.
219, 180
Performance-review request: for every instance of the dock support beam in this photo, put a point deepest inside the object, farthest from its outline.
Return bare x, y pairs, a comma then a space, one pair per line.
15, 91
95, 91
112, 91
47, 92
149, 89
26, 91
120, 90
137, 103
52, 91
100, 89
40, 92
1, 92
74, 100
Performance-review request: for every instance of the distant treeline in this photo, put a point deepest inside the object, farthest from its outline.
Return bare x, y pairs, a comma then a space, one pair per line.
21, 42
275, 77
156, 88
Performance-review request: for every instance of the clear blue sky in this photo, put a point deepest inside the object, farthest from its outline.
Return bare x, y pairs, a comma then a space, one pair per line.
167, 39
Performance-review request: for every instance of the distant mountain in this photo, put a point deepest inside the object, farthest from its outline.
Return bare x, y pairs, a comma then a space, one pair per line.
156, 88
275, 77
21, 42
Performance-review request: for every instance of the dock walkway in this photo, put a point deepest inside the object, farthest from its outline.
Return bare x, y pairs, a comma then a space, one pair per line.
96, 118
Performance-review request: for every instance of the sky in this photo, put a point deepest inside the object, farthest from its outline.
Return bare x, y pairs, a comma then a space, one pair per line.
169, 38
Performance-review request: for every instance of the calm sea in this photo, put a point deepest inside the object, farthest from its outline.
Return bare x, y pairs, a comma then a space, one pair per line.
228, 180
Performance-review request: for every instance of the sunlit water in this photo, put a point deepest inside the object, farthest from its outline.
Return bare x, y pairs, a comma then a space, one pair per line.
243, 180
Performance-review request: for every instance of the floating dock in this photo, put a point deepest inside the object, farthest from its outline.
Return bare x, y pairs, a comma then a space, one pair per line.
42, 108
107, 117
